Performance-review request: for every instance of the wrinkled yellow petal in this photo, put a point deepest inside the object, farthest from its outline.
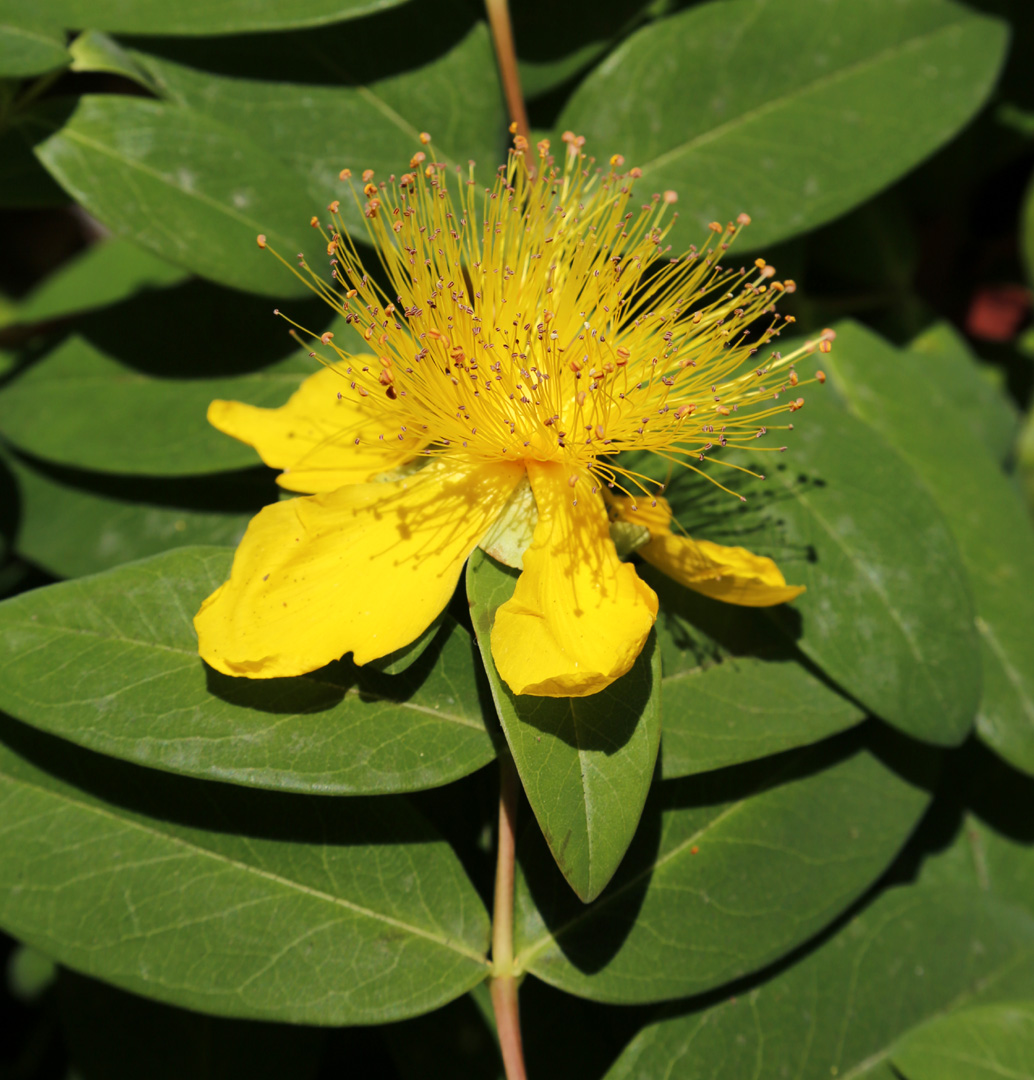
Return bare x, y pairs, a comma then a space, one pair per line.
365, 569
579, 616
312, 436
731, 574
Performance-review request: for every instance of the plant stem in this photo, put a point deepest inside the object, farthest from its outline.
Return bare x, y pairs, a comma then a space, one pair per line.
503, 983
502, 39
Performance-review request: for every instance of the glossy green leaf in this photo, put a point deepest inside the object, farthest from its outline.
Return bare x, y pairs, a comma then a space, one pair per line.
200, 16
104, 274
840, 1010
80, 408
72, 523
229, 901
29, 45
192, 190
92, 51
888, 616
988, 1042
112, 1035
586, 764
988, 521
969, 385
734, 689
728, 871
132, 686
324, 100
791, 112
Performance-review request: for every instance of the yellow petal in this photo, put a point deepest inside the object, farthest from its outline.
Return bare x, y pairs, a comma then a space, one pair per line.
731, 574
312, 437
365, 569
579, 616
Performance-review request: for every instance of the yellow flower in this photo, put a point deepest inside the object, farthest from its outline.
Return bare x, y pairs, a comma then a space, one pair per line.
518, 349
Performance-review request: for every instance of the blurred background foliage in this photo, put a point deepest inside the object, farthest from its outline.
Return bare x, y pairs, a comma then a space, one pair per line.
885, 151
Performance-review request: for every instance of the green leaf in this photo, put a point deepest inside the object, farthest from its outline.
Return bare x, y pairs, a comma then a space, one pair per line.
321, 101
30, 45
192, 190
93, 51
132, 686
987, 1042
791, 112
199, 17
988, 521
729, 870
988, 412
104, 274
72, 523
586, 764
737, 691
233, 902
80, 408
112, 1035
915, 953
888, 615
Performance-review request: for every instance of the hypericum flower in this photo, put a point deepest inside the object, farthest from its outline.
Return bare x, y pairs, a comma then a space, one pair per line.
519, 349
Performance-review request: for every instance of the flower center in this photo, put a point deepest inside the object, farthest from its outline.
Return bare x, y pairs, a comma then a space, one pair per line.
554, 323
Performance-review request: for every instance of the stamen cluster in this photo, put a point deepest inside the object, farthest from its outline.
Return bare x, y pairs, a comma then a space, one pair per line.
552, 321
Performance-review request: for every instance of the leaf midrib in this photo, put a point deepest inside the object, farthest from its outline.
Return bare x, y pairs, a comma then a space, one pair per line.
347, 691
820, 83
267, 875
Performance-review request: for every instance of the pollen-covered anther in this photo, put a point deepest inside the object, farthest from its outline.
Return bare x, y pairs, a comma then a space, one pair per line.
572, 480
367, 175
326, 337
424, 138
417, 159
345, 174
334, 206
794, 380
314, 221
820, 376
261, 240
716, 227
795, 405
623, 355
617, 161
743, 219
370, 190
671, 197
685, 410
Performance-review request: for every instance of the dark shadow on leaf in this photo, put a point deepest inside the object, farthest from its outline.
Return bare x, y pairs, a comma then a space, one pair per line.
242, 491
578, 721
197, 330
323, 689
212, 806
353, 52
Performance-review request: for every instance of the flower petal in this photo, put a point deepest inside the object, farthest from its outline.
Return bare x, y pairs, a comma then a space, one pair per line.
312, 436
731, 574
579, 616
364, 569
